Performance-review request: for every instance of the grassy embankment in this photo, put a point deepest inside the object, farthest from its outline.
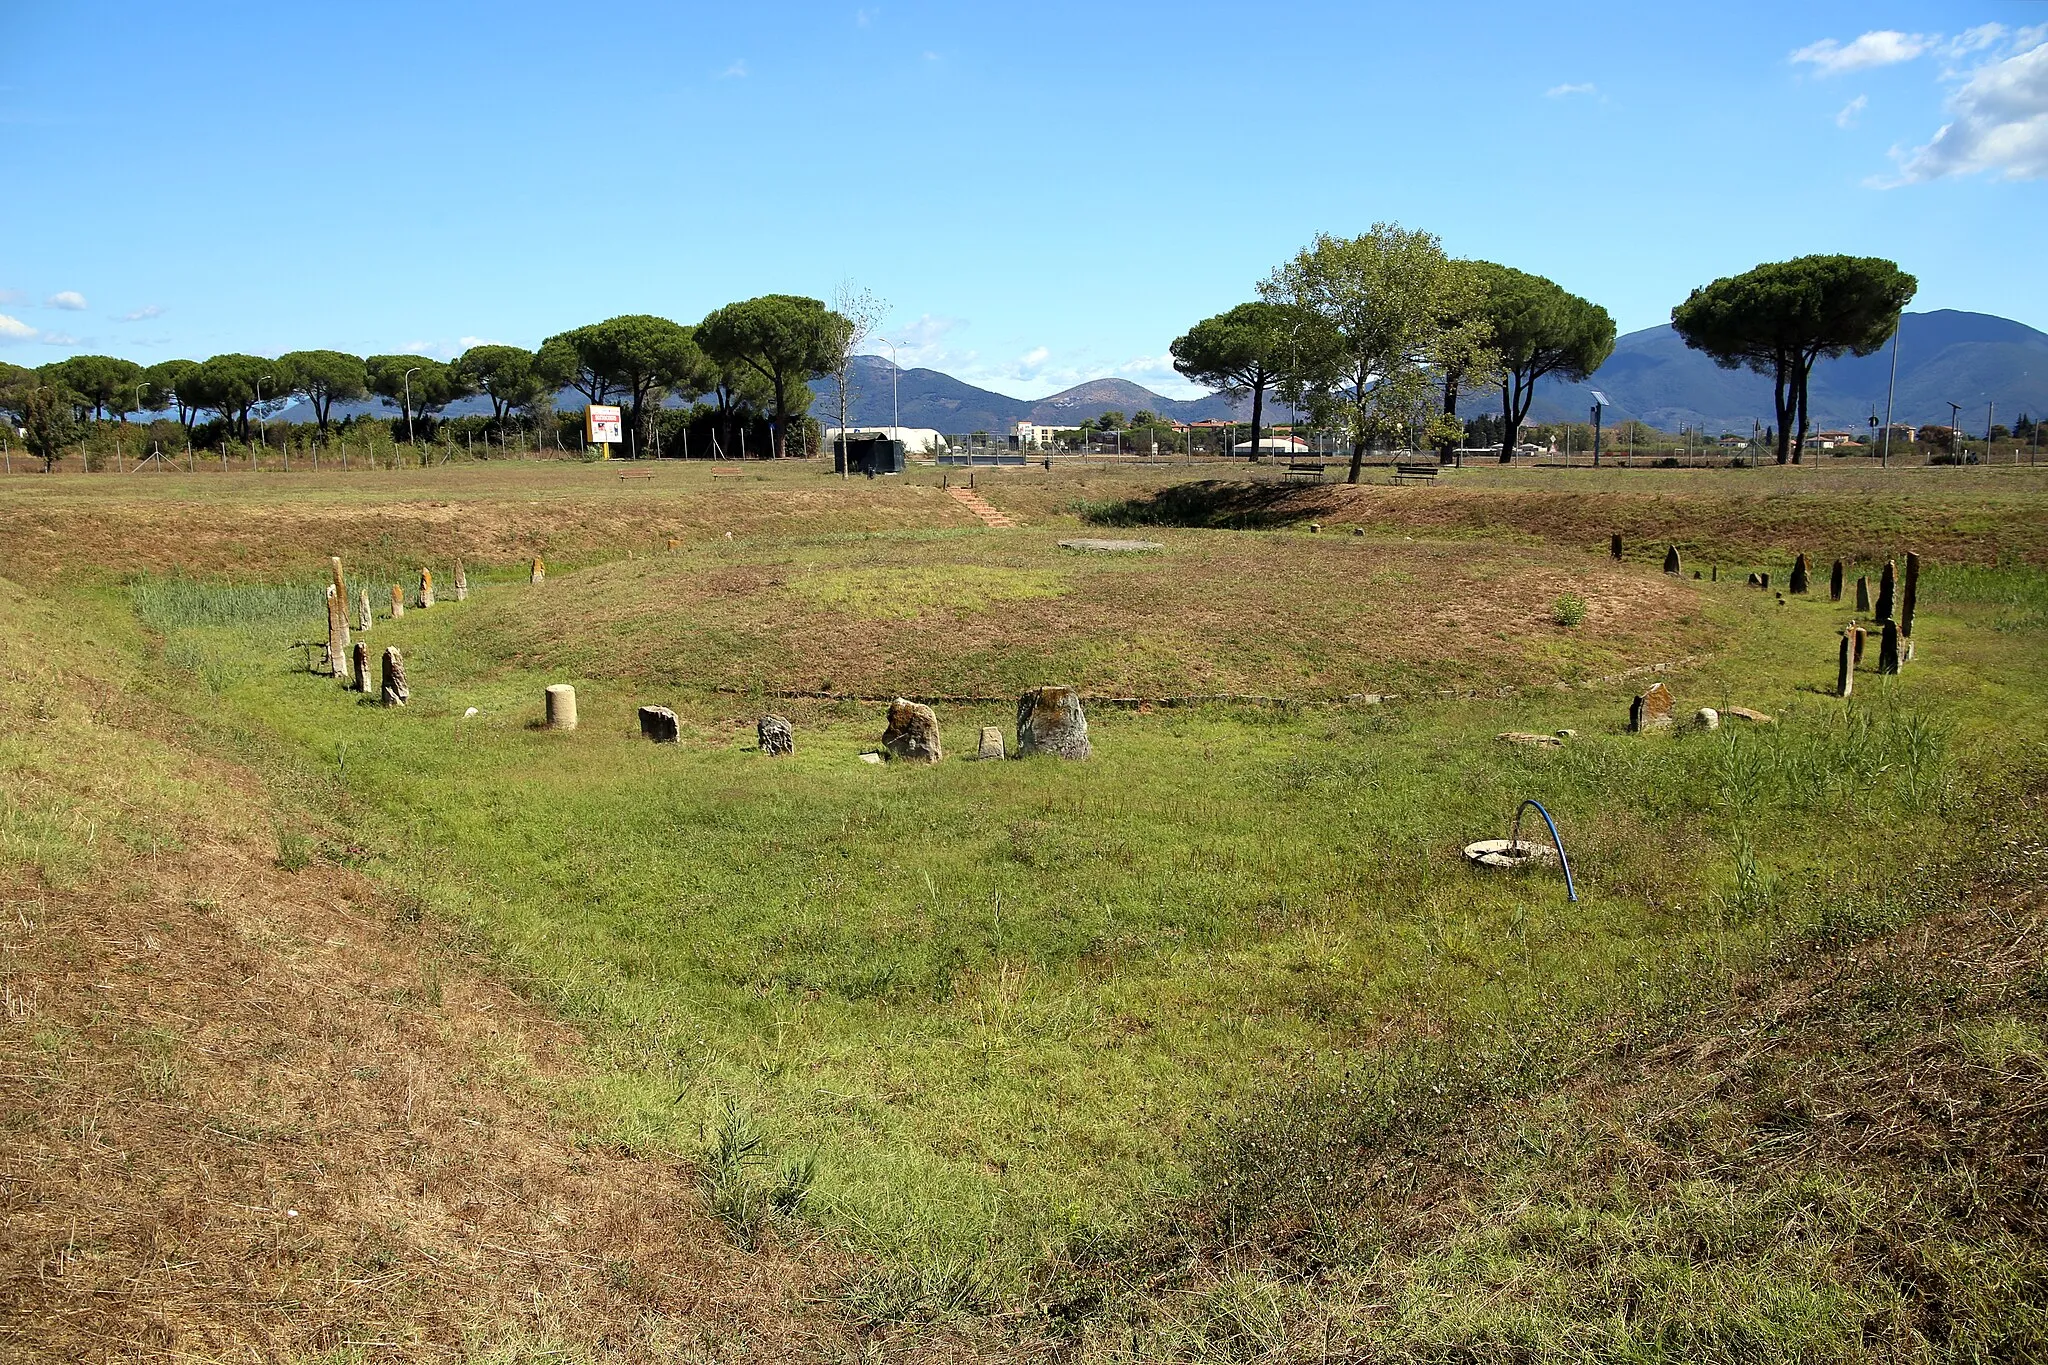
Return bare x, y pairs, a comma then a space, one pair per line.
1015, 1011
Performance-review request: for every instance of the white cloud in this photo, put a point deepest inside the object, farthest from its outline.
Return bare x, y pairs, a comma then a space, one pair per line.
1973, 40
142, 314
60, 339
14, 329
70, 300
1998, 124
734, 72
464, 343
864, 17
1881, 47
1034, 358
1558, 92
1852, 111
12, 296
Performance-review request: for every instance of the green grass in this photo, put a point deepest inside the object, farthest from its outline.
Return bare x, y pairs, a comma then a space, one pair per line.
982, 1014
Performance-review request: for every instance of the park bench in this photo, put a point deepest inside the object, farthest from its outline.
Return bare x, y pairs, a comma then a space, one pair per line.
1305, 469
1416, 473
638, 474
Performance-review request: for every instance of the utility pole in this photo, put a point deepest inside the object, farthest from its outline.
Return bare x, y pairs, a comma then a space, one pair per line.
1955, 430
1890, 389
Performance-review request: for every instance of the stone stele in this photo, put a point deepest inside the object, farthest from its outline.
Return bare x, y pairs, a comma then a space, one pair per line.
774, 736
1050, 721
1652, 710
659, 724
912, 732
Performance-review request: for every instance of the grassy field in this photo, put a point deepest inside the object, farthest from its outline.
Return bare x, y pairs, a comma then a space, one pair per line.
1212, 1047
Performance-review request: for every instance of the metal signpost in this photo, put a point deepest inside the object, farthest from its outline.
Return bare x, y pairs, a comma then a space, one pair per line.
604, 426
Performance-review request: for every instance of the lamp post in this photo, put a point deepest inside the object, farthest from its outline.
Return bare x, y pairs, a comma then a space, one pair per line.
262, 422
1599, 402
408, 403
1955, 431
895, 417
1891, 387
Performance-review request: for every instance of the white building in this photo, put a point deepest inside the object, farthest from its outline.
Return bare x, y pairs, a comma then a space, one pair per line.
1273, 445
1031, 436
916, 440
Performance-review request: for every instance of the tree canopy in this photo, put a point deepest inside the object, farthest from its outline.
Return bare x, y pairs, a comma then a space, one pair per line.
230, 385
1242, 352
104, 383
507, 375
1378, 315
1537, 329
1781, 317
165, 380
414, 383
785, 339
325, 378
647, 357
566, 361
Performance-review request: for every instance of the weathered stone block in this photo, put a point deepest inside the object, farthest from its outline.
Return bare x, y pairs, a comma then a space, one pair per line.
912, 732
1652, 710
773, 735
659, 724
1050, 721
991, 745
395, 692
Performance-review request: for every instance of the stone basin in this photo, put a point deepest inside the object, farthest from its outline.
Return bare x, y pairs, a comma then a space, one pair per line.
1507, 853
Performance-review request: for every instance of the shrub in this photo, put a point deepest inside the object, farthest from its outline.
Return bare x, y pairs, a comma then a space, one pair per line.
1569, 610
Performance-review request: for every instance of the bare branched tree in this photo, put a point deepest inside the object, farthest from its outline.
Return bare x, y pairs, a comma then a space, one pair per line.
861, 308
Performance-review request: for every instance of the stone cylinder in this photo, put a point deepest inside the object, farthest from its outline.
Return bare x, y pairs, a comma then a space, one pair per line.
1050, 721
461, 583
397, 601
1910, 599
426, 588
363, 614
334, 572
395, 692
1887, 584
1835, 582
561, 707
337, 635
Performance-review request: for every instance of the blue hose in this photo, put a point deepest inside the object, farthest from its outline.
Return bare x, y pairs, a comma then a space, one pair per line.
1515, 842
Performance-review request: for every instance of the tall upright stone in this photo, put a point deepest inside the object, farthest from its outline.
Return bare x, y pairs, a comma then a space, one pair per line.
1888, 649
334, 572
1835, 582
1799, 580
361, 663
1672, 564
1845, 666
426, 598
1614, 546
661, 725
1911, 597
1653, 710
912, 732
1050, 721
337, 635
1863, 594
540, 571
1861, 635
561, 707
394, 691
774, 736
461, 582
363, 615
397, 601
1887, 583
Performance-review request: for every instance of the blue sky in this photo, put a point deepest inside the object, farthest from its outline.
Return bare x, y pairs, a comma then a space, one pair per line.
1043, 192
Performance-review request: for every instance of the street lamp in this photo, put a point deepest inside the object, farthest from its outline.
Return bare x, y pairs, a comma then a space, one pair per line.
262, 422
1955, 431
1599, 402
895, 418
408, 403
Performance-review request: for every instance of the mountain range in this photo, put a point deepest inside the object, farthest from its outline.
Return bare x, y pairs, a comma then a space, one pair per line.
1971, 359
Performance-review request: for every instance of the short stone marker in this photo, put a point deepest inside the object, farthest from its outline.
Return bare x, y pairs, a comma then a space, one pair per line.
1111, 546
461, 582
1798, 584
1835, 582
540, 571
871, 756
397, 601
1887, 584
1755, 581
1911, 598
1652, 710
1861, 633
1845, 666
394, 690
772, 733
1050, 721
1763, 580
659, 724
337, 635
1888, 649
363, 616
1745, 713
991, 742
912, 733
1530, 741
1672, 564
561, 707
361, 662
426, 588
1706, 718
1863, 594
1614, 546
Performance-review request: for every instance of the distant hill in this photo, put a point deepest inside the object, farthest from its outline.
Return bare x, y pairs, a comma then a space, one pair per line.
1970, 358
928, 398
